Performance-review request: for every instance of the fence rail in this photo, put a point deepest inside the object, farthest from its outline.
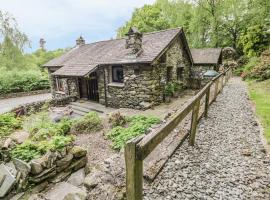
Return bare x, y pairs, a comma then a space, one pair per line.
137, 149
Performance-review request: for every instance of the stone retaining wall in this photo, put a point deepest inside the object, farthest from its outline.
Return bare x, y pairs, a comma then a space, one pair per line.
36, 106
21, 94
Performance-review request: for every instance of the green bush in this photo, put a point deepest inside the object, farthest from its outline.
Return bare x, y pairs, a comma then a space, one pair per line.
137, 125
22, 81
8, 123
30, 149
89, 123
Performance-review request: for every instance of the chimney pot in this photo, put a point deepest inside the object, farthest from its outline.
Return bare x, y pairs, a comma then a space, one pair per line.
80, 41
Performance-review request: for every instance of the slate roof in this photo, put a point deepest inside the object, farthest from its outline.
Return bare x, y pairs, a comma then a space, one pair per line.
83, 58
206, 55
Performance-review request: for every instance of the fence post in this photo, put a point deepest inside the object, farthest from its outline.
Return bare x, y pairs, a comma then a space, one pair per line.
194, 121
216, 88
134, 172
207, 97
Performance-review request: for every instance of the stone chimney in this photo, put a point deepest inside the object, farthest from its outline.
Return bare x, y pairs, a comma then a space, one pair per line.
80, 41
134, 40
42, 43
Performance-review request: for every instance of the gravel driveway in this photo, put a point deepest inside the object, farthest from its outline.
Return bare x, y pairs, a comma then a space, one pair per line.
228, 160
8, 104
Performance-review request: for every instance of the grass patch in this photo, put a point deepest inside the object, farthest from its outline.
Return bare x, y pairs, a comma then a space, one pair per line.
8, 123
135, 126
89, 123
260, 94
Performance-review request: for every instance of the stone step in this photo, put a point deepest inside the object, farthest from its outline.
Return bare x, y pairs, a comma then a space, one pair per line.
77, 112
86, 105
79, 108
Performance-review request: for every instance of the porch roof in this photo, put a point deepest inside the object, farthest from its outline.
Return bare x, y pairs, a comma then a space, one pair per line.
75, 70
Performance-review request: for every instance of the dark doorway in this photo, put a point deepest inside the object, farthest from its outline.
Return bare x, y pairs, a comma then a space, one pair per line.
89, 87
83, 88
93, 87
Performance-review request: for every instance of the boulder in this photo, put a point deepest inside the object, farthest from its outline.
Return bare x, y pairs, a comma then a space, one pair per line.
19, 136
92, 179
77, 177
66, 191
22, 166
36, 167
65, 161
78, 151
7, 180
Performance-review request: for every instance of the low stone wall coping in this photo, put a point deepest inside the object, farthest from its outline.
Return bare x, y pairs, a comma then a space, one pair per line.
20, 94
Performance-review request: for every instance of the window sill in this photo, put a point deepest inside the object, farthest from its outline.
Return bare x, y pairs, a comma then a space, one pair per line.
114, 84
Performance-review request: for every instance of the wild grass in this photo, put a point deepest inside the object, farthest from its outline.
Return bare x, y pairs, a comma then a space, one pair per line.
260, 94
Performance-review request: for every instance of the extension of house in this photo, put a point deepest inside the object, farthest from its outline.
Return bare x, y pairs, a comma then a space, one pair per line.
130, 72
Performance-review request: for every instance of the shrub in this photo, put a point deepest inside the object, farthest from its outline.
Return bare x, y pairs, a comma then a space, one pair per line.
23, 81
137, 125
89, 123
30, 149
116, 119
9, 123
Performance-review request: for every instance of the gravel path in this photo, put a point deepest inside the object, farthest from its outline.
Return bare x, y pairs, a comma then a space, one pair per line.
228, 160
8, 104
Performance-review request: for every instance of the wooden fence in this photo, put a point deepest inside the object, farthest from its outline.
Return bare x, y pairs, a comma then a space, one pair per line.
137, 149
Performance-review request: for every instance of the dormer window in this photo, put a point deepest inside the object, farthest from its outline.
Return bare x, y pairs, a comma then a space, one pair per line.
117, 74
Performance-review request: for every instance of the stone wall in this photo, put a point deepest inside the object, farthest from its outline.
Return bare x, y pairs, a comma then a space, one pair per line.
21, 94
142, 86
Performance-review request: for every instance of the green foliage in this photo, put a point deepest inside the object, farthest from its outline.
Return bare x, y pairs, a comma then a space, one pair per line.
41, 127
45, 135
137, 125
169, 89
32, 149
254, 40
22, 81
257, 68
116, 119
9, 123
89, 123
147, 19
235, 23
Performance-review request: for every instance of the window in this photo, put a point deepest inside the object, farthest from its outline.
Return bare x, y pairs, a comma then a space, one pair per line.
169, 74
179, 73
59, 86
117, 74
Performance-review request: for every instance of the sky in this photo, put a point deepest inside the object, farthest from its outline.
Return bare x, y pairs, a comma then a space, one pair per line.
61, 22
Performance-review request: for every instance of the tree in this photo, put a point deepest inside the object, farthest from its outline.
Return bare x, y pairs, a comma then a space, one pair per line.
147, 19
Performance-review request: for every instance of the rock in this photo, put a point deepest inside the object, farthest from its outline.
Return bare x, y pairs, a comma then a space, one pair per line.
22, 166
17, 196
77, 177
7, 180
7, 143
77, 164
66, 191
36, 167
60, 177
146, 105
92, 180
19, 136
65, 161
78, 151
246, 152
48, 173
37, 197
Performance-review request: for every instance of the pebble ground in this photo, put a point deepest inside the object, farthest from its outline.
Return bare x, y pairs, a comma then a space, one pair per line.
228, 160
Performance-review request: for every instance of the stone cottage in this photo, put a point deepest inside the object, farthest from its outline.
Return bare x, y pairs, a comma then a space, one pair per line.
130, 72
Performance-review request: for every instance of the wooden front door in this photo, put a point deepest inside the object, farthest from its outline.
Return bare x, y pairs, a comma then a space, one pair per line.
93, 87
